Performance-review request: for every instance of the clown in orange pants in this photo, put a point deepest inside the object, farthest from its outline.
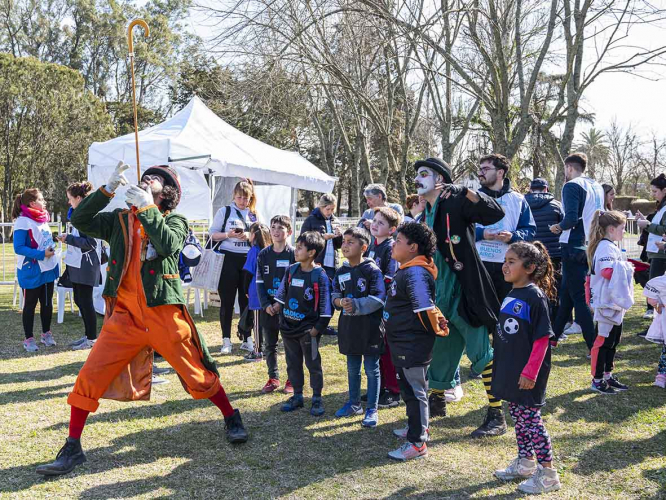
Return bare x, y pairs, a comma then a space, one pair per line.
145, 311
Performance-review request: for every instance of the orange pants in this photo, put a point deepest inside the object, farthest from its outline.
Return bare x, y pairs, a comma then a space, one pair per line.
131, 327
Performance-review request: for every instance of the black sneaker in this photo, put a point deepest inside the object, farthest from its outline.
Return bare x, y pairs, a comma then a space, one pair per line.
236, 432
364, 398
66, 460
473, 375
602, 387
616, 384
330, 331
493, 425
642, 333
437, 404
388, 400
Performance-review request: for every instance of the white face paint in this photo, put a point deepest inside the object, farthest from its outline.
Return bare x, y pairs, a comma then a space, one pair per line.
424, 180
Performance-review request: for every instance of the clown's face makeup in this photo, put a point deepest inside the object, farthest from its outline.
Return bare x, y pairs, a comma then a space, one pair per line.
425, 180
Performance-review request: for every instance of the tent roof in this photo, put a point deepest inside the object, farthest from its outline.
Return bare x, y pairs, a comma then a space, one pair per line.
195, 137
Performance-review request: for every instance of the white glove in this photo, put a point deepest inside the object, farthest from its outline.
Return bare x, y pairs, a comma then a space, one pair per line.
117, 177
138, 197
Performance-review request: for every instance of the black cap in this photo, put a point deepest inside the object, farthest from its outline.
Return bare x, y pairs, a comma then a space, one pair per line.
539, 183
169, 175
439, 166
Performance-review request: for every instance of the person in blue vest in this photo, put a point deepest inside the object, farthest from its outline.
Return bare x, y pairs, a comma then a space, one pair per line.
581, 197
492, 241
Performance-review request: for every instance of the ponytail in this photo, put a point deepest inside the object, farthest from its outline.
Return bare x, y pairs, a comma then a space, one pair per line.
535, 254
80, 189
25, 198
600, 222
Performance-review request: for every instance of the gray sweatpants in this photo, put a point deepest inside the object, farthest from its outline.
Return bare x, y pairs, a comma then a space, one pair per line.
296, 351
414, 391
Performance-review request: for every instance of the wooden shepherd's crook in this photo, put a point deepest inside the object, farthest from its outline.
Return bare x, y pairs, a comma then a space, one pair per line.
146, 32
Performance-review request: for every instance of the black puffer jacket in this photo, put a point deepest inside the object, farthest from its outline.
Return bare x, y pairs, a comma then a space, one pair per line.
317, 222
546, 211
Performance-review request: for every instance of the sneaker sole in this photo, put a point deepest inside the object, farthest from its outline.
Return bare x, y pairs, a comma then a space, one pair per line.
511, 477
237, 440
545, 490
424, 455
51, 472
605, 393
392, 405
369, 425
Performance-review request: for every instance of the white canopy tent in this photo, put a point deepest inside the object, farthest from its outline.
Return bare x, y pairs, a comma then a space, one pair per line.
196, 141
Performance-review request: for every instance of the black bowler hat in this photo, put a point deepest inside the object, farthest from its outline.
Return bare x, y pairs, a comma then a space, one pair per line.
439, 166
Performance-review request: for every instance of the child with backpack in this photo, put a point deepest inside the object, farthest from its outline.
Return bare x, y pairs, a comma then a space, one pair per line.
412, 321
359, 292
522, 363
304, 304
259, 237
272, 264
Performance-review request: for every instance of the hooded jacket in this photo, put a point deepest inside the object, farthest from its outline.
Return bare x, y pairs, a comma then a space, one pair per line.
517, 220
317, 222
411, 319
546, 211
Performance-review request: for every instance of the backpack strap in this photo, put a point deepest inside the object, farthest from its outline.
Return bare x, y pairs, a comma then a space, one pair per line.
315, 285
227, 213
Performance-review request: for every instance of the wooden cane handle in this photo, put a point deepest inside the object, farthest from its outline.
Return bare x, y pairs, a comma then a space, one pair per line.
136, 22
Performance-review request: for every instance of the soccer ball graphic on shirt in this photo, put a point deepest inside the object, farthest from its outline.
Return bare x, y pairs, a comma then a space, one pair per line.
511, 326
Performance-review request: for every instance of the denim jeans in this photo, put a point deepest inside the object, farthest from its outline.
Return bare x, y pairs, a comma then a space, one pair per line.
371, 365
572, 294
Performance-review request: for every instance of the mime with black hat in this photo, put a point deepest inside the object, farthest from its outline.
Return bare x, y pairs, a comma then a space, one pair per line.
464, 291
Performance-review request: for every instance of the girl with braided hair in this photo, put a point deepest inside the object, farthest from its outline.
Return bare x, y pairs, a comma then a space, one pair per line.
522, 363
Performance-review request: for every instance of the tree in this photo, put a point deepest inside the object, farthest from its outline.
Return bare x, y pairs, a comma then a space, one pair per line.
622, 155
595, 146
47, 122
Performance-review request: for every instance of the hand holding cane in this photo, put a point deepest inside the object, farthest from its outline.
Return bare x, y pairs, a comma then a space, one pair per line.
146, 32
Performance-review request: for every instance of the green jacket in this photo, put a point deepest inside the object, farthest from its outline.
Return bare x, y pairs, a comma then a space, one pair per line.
657, 227
160, 277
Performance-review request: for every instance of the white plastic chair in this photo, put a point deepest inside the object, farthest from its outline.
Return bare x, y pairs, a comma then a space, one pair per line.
62, 293
197, 298
18, 293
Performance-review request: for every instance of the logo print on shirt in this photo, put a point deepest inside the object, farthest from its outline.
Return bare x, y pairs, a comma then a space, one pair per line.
392, 290
511, 326
361, 284
293, 304
517, 307
307, 294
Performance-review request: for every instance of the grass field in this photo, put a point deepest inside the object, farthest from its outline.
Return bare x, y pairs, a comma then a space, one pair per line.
172, 446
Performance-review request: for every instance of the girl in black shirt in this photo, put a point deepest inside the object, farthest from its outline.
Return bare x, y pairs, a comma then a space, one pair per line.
522, 363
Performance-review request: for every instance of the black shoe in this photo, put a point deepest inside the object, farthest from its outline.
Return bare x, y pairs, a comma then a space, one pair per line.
642, 333
493, 425
437, 404
615, 383
330, 331
236, 432
473, 375
66, 460
364, 398
160, 371
603, 387
388, 400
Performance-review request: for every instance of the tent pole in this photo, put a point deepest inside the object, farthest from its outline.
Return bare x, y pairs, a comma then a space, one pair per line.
292, 212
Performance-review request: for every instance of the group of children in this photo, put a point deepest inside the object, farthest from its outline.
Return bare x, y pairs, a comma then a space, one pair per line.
388, 323
385, 293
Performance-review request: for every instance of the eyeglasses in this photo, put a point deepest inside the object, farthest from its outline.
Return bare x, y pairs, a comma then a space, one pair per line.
151, 177
486, 169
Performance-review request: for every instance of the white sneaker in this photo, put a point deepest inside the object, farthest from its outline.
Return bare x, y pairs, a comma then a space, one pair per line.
226, 346
568, 325
248, 345
545, 480
573, 329
402, 433
649, 314
86, 344
30, 345
159, 380
454, 395
520, 468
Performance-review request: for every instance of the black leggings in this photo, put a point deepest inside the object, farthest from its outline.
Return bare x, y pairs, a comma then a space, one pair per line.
83, 297
44, 295
230, 284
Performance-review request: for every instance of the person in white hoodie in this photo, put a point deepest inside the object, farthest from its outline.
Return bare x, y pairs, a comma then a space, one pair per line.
655, 291
611, 294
